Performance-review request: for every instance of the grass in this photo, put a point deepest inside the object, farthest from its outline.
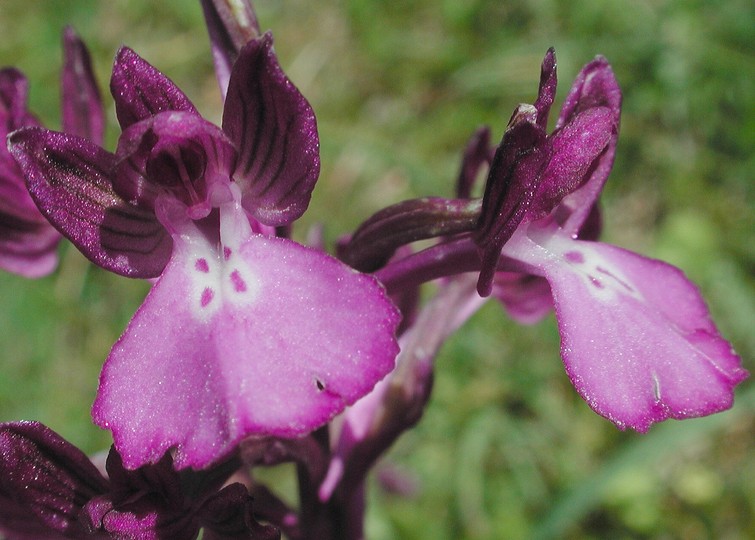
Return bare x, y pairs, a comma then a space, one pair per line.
506, 448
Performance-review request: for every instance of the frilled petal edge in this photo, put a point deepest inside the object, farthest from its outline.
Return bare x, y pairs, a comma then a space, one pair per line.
636, 336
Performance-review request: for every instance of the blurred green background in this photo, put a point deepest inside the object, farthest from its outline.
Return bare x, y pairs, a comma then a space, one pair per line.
506, 449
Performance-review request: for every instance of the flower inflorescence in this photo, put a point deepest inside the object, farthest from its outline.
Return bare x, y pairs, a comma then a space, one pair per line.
252, 349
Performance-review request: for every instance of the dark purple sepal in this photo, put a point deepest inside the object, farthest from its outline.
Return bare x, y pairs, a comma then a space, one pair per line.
146, 503
546, 93
16, 522
159, 478
275, 132
509, 189
227, 515
477, 154
141, 91
46, 476
27, 241
70, 180
595, 87
231, 25
14, 92
82, 112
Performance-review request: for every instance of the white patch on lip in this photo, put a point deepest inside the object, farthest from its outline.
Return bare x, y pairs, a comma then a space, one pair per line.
218, 278
602, 279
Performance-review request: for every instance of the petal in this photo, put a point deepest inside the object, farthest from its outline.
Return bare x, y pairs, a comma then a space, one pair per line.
69, 179
17, 524
27, 241
175, 153
147, 503
141, 520
573, 154
594, 87
28, 245
527, 298
272, 338
231, 25
636, 336
477, 154
46, 475
14, 91
228, 515
547, 91
275, 132
81, 104
141, 91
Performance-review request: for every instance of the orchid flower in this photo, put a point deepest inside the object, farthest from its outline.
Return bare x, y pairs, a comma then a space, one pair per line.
637, 340
50, 489
636, 337
28, 242
243, 333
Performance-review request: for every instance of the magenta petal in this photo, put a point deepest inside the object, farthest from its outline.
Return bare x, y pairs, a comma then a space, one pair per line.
594, 87
69, 179
527, 298
81, 104
275, 132
573, 153
637, 339
141, 91
274, 339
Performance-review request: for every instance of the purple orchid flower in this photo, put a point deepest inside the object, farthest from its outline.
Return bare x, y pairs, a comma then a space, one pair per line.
49, 489
636, 336
28, 243
243, 333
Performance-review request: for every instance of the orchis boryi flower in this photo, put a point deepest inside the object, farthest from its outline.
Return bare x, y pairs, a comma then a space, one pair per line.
244, 333
50, 490
636, 337
27, 240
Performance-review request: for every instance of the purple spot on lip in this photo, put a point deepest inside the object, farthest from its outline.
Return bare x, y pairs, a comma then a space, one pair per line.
207, 296
202, 265
574, 257
596, 282
239, 285
227, 253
